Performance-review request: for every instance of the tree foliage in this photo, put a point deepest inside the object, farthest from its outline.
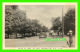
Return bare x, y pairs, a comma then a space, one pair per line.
17, 22
56, 24
14, 18
69, 21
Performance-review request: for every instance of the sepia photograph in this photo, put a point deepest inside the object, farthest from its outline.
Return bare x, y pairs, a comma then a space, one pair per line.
40, 26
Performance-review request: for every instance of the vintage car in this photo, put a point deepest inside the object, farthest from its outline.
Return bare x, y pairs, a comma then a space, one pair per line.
19, 35
42, 35
28, 35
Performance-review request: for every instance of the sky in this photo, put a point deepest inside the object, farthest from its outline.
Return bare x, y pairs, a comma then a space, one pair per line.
44, 13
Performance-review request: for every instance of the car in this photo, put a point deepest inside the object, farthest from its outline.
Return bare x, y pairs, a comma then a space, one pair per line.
43, 35
28, 34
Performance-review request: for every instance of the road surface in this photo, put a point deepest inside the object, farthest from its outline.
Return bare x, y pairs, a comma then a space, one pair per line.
34, 42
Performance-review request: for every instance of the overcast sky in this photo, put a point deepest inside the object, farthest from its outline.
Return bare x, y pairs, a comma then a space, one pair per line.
44, 13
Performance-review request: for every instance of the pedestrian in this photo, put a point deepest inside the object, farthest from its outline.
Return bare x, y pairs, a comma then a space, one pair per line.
70, 38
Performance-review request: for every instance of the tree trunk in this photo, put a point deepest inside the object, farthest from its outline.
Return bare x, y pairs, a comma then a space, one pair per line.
16, 35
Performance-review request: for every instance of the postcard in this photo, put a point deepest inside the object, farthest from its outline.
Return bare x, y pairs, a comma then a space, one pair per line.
40, 26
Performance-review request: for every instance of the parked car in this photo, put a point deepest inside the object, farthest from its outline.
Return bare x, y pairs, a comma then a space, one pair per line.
19, 35
28, 35
43, 35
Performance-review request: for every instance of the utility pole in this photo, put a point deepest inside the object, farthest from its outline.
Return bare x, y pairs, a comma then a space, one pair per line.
62, 22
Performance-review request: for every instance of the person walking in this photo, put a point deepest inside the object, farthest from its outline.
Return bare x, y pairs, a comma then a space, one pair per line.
70, 38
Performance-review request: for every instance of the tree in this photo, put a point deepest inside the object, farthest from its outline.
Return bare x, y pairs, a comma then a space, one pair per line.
14, 19
16, 22
8, 17
56, 24
44, 28
69, 21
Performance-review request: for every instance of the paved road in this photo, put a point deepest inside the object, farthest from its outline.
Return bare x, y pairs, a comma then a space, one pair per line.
34, 42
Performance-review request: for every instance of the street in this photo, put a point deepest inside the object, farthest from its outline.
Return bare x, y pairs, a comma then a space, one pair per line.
34, 42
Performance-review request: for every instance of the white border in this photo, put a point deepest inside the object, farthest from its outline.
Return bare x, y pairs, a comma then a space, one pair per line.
47, 3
